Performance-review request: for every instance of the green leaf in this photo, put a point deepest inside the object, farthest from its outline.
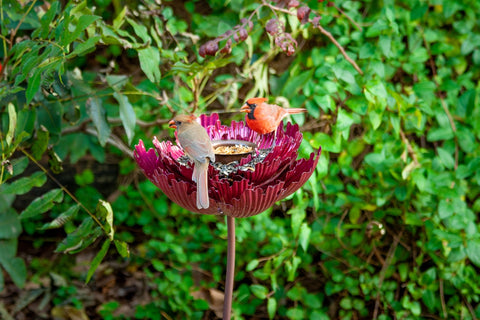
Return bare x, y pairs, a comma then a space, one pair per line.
26, 119
252, 265
98, 259
296, 313
140, 30
8, 248
295, 83
81, 238
440, 133
418, 11
150, 63
10, 226
446, 208
63, 218
304, 236
377, 89
46, 20
377, 28
446, 158
42, 203
292, 267
33, 85
473, 251
344, 120
117, 82
19, 165
343, 73
12, 123
271, 307
327, 142
50, 116
97, 113
375, 118
16, 269
54, 162
84, 47
425, 90
120, 18
25, 184
325, 102
259, 291
122, 248
83, 22
40, 144
466, 103
104, 212
298, 215
127, 114
466, 139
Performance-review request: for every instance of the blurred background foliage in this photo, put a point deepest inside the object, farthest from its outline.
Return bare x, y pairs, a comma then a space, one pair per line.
386, 228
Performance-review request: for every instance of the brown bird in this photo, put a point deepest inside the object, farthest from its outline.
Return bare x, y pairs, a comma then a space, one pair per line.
264, 118
196, 144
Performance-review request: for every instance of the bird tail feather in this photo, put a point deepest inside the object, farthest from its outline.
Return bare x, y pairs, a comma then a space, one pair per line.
295, 110
200, 177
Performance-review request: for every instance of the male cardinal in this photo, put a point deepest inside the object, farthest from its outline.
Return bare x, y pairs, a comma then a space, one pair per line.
264, 118
196, 144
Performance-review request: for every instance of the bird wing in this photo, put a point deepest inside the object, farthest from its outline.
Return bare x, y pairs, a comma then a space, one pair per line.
201, 147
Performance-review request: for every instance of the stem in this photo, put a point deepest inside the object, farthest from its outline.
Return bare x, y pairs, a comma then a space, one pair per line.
227, 304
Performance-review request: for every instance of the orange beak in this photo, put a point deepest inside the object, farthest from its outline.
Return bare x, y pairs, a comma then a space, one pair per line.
245, 108
171, 124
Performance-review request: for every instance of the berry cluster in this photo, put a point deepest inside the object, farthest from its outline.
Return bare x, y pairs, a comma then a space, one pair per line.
239, 33
275, 27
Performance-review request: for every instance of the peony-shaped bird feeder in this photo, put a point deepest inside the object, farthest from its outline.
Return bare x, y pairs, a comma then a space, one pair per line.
241, 183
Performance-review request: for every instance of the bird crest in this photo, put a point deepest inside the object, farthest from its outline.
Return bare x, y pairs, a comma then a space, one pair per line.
256, 101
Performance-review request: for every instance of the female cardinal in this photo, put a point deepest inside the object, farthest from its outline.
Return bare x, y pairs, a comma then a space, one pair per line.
196, 144
264, 118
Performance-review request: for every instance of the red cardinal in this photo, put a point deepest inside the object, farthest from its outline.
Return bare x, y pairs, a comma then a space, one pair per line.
196, 144
263, 117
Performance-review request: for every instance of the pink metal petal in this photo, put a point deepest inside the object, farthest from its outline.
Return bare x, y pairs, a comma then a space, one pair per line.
300, 173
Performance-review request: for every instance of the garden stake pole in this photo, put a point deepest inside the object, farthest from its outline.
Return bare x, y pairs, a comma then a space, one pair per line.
227, 304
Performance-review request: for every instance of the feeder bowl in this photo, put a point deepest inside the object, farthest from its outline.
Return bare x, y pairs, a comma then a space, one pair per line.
235, 155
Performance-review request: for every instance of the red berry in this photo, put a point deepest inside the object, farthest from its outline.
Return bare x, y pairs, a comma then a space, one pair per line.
272, 26
228, 47
211, 47
201, 51
293, 4
302, 14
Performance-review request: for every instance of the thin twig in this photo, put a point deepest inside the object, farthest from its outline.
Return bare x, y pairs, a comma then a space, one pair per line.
322, 30
388, 260
442, 299
411, 152
140, 123
442, 101
114, 141
454, 128
63, 188
227, 304
346, 16
339, 46
14, 33
470, 308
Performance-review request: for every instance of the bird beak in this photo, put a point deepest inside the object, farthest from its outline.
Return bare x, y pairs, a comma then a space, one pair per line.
171, 124
245, 108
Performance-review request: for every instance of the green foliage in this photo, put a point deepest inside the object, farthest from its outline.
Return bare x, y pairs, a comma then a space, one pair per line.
388, 225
